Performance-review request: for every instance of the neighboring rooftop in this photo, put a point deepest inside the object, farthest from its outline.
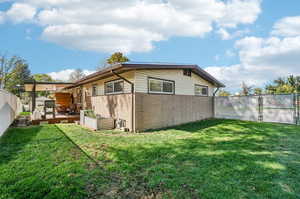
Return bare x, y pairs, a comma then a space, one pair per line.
123, 67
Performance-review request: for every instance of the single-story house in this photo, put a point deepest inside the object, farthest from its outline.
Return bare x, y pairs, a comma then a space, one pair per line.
142, 96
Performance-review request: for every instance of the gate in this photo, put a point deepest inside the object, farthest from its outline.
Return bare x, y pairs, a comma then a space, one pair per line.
279, 108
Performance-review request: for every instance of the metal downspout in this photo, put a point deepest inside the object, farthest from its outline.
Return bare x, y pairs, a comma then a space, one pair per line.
216, 91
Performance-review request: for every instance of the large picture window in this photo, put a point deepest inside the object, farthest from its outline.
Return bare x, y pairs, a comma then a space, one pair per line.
114, 87
161, 86
201, 90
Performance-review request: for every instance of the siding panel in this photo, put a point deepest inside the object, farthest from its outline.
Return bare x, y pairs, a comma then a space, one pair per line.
184, 85
100, 83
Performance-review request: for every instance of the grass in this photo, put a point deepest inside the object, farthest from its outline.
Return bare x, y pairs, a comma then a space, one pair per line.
208, 159
25, 114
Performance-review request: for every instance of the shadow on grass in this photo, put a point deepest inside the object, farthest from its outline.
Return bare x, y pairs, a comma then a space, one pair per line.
195, 127
12, 142
190, 127
39, 162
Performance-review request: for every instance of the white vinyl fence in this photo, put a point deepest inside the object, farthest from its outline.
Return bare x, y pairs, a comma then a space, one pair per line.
10, 107
280, 108
241, 108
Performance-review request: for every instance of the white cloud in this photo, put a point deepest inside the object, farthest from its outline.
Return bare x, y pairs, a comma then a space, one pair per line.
64, 75
20, 12
280, 54
231, 76
288, 27
240, 12
131, 25
262, 59
105, 38
226, 35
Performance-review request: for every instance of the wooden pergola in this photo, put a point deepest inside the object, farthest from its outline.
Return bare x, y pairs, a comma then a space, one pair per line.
35, 86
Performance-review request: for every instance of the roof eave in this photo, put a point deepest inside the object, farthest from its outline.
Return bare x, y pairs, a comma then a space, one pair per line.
129, 66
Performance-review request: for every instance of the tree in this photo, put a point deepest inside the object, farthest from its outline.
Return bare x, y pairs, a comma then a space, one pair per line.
258, 91
117, 57
280, 81
18, 75
6, 66
76, 75
43, 78
246, 90
294, 83
290, 84
270, 89
224, 93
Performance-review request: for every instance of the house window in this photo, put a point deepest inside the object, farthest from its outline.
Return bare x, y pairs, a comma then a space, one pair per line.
114, 87
161, 86
94, 90
201, 90
187, 72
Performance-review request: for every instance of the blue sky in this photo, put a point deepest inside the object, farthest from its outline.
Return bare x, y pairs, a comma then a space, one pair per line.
235, 40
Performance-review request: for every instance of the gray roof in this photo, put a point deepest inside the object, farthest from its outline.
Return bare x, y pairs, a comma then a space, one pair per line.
106, 71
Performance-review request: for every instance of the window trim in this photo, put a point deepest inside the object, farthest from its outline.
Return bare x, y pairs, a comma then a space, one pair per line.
201, 94
161, 93
114, 81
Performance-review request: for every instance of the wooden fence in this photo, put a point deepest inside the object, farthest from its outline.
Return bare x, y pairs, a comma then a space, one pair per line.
10, 107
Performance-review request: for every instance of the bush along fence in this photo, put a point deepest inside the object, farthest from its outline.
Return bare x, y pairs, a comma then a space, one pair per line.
277, 108
10, 108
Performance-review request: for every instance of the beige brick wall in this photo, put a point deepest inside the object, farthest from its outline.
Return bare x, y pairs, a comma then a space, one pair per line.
158, 111
153, 111
114, 106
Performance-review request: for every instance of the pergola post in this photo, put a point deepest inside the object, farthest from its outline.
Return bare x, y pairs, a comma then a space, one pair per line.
33, 95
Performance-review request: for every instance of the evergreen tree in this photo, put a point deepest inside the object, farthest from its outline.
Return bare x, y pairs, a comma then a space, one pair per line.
117, 57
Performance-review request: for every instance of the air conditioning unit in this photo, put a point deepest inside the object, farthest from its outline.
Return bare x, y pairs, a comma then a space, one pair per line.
120, 123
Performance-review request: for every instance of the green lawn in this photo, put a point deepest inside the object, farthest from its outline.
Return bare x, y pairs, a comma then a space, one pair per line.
208, 159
